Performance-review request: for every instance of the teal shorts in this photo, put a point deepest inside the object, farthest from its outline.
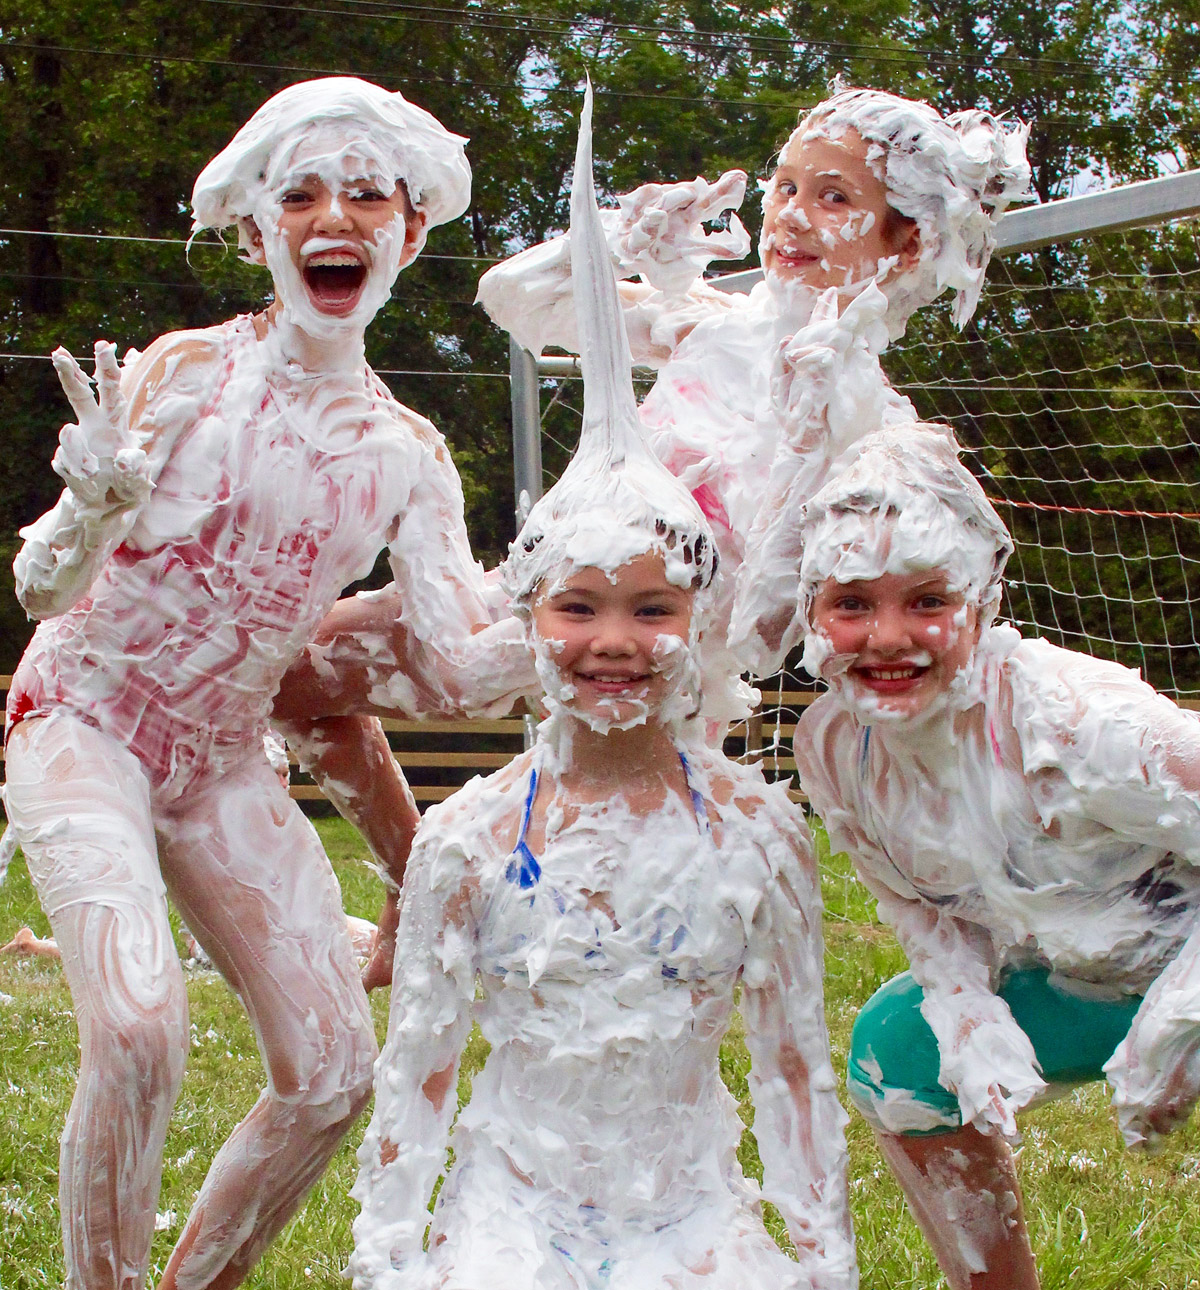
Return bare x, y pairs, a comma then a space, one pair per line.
894, 1059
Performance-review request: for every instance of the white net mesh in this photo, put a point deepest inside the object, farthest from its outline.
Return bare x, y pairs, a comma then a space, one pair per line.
1075, 392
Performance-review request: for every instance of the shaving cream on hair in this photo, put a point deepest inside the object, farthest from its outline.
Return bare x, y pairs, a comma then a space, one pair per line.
953, 176
615, 500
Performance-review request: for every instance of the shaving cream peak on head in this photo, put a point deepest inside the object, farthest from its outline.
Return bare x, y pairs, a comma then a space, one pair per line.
350, 121
905, 504
615, 500
952, 175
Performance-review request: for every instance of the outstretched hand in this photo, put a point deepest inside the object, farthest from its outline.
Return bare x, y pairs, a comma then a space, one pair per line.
662, 234
97, 456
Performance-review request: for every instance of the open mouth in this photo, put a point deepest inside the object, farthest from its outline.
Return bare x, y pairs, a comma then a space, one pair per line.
335, 280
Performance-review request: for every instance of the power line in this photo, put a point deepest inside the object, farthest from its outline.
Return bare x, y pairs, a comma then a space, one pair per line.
522, 22
517, 87
183, 241
379, 371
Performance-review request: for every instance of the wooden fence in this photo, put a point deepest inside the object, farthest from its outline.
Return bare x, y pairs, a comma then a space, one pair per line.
439, 756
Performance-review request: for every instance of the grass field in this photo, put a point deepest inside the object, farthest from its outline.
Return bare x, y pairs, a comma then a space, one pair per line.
1102, 1219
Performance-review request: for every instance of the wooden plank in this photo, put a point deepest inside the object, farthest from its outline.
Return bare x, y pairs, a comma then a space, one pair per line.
470, 759
447, 726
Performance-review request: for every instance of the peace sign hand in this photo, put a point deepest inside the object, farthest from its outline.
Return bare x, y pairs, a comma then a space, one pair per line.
97, 456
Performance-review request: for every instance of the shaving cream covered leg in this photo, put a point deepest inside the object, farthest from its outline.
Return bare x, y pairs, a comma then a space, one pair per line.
279, 937
80, 805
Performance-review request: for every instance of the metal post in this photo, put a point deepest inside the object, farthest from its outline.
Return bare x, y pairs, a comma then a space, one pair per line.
526, 429
527, 457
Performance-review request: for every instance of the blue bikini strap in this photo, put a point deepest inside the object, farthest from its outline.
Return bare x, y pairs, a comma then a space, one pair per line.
523, 867
697, 797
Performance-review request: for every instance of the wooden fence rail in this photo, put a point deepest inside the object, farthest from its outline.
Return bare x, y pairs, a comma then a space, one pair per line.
439, 756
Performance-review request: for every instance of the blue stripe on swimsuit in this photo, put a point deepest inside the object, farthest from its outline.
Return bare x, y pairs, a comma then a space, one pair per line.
523, 867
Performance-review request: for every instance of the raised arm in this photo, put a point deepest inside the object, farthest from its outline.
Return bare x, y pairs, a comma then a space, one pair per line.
657, 233
108, 459
454, 655
827, 391
416, 1077
798, 1121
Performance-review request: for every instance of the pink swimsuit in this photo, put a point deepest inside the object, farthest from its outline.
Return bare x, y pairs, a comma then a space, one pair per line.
277, 495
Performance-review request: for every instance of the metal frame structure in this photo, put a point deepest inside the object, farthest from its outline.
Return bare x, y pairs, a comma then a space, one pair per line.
1152, 201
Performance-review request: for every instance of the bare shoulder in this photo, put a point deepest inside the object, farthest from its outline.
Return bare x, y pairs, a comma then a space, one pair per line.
179, 362
486, 812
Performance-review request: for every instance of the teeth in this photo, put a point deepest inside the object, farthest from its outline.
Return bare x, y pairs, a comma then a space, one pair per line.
894, 674
333, 259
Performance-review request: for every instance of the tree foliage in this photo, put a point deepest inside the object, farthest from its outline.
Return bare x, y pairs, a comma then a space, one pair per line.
110, 110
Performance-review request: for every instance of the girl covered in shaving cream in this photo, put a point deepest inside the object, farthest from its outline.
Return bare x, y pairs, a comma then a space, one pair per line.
608, 890
1028, 819
222, 491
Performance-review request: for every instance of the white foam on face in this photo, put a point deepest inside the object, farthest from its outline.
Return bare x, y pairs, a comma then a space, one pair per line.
953, 176
348, 134
388, 136
904, 505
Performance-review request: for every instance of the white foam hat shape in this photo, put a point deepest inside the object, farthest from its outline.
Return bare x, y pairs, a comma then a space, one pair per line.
615, 500
905, 503
413, 143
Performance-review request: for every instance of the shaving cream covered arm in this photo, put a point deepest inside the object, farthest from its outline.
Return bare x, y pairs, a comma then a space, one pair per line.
454, 652
530, 295
1105, 746
827, 392
798, 1121
108, 460
416, 1076
986, 1059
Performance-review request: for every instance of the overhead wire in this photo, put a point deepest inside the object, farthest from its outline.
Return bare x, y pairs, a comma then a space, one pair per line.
518, 21
183, 241
745, 104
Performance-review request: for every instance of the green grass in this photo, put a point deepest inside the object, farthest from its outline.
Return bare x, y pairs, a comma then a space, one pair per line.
1102, 1219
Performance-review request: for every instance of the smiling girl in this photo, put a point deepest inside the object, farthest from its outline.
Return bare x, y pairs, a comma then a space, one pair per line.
872, 191
220, 494
1028, 820
594, 906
